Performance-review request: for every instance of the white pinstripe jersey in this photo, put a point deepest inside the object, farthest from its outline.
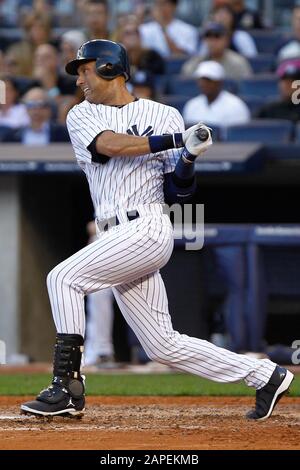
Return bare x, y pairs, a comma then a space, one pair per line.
124, 182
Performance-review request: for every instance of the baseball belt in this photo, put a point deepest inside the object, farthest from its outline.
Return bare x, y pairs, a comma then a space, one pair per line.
105, 224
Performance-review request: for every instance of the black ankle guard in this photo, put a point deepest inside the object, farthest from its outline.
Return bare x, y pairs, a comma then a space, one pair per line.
67, 355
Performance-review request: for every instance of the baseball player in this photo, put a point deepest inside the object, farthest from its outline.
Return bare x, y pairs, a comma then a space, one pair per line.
129, 150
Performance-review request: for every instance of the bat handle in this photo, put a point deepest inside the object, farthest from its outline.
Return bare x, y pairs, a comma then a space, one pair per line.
202, 134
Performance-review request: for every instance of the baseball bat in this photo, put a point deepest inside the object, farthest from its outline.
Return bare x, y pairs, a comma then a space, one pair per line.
202, 134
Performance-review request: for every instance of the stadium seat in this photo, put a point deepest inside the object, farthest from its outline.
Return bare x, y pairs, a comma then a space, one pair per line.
262, 86
160, 84
177, 101
262, 63
267, 41
255, 103
297, 133
180, 85
3, 131
173, 65
267, 131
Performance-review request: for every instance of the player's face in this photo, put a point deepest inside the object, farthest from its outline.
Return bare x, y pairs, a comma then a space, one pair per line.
94, 87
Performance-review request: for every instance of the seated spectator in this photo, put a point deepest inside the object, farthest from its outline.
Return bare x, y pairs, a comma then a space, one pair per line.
37, 30
290, 49
40, 131
12, 113
240, 41
96, 16
216, 41
143, 85
245, 18
46, 71
59, 87
215, 106
139, 57
284, 108
70, 42
166, 34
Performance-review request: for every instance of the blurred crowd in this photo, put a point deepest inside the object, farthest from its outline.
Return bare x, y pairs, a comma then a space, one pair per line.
202, 70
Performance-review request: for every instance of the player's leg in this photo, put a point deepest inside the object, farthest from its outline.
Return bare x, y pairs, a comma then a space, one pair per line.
231, 264
145, 308
99, 327
125, 252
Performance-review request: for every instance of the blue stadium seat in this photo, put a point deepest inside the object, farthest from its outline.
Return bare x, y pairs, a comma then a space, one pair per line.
180, 85
264, 85
297, 133
173, 65
3, 131
160, 83
267, 41
262, 63
177, 101
267, 131
255, 103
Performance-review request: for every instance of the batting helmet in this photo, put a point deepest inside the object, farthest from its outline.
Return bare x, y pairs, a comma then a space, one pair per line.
111, 59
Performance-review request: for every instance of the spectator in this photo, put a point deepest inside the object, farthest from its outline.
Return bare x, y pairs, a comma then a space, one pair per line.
40, 131
240, 41
290, 49
139, 56
245, 18
166, 34
46, 70
19, 56
70, 42
215, 106
284, 108
12, 113
96, 19
143, 85
216, 41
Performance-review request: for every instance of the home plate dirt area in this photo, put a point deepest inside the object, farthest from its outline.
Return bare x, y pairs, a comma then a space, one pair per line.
153, 423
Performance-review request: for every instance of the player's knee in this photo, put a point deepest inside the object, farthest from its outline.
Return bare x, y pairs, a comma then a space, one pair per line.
57, 276
164, 351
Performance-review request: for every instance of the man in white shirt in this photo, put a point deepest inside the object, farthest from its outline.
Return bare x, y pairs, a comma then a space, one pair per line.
216, 106
166, 34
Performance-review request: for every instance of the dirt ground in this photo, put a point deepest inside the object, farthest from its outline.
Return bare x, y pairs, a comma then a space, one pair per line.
153, 423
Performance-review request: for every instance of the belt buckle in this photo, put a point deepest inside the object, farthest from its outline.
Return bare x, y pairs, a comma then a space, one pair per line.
105, 224
132, 215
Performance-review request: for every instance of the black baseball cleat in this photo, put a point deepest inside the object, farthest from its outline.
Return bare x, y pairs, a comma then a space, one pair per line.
270, 394
64, 397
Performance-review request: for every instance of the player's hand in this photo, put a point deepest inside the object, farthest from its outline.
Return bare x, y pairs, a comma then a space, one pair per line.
190, 130
196, 143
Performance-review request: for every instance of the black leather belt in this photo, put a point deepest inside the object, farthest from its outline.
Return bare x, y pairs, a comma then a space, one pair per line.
105, 224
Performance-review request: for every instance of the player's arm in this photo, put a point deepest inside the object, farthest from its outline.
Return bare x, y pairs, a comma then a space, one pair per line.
180, 185
111, 144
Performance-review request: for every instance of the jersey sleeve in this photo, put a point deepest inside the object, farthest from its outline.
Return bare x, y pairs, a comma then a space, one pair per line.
83, 127
171, 157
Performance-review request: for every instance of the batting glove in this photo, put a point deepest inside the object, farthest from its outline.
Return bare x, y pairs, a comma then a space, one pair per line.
195, 145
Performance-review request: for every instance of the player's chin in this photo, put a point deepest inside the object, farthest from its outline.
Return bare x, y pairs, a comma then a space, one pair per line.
89, 97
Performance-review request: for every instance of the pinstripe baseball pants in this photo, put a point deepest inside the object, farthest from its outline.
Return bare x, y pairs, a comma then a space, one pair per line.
128, 258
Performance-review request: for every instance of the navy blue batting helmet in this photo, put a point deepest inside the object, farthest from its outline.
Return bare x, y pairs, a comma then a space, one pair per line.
111, 59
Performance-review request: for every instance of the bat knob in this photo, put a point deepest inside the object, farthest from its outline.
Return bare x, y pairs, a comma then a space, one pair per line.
202, 134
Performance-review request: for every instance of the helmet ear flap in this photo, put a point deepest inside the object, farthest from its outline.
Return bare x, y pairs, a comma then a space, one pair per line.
102, 70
